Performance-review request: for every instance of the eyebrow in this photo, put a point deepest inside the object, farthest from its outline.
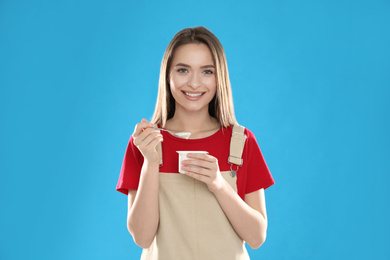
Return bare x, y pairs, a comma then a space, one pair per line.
188, 66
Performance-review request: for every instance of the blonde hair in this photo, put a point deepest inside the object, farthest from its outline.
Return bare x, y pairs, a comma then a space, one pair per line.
221, 106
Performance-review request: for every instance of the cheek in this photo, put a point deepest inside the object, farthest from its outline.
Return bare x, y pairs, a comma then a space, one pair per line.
211, 83
176, 82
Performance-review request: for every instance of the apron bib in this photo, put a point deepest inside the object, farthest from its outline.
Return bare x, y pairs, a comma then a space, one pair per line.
192, 224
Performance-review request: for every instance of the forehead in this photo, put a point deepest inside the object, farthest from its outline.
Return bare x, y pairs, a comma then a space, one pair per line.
193, 54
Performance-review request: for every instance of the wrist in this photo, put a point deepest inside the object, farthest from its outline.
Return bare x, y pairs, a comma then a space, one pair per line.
152, 162
150, 169
219, 186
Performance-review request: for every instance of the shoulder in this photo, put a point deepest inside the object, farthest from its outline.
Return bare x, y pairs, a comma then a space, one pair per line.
251, 140
229, 131
249, 134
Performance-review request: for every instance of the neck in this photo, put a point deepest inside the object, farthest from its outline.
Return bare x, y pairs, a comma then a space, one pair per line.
194, 122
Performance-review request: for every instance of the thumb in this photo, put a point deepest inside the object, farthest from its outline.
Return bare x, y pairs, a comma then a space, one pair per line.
144, 120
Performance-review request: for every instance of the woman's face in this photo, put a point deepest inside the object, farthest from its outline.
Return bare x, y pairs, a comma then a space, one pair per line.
192, 77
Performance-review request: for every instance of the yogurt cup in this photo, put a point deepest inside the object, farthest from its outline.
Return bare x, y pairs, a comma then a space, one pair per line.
183, 156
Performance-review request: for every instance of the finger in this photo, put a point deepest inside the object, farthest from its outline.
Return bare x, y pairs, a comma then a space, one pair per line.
202, 156
147, 132
198, 163
198, 177
196, 170
145, 140
138, 140
156, 141
148, 140
141, 126
144, 133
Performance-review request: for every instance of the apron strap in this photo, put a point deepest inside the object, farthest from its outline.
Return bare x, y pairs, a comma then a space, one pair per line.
159, 150
237, 145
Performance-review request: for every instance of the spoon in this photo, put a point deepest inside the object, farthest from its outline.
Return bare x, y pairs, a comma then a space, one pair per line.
184, 135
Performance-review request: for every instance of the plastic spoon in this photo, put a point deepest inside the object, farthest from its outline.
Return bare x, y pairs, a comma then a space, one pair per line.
184, 135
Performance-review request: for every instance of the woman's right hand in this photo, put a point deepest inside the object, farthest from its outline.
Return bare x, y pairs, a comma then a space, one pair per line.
145, 138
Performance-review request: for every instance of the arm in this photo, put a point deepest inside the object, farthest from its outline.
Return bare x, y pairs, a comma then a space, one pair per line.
248, 218
143, 211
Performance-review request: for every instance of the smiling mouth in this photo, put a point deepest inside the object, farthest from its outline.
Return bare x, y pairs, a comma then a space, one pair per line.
193, 94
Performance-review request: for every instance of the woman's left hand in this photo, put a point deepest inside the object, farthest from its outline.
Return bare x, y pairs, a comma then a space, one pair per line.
204, 168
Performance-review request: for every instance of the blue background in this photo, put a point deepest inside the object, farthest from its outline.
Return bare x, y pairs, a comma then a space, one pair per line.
309, 78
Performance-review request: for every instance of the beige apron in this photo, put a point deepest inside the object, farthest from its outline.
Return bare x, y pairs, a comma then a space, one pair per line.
192, 224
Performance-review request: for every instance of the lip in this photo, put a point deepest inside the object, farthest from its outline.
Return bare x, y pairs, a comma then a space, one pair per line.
193, 92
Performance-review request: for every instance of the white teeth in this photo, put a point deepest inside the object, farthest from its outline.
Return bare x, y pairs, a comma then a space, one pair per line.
193, 95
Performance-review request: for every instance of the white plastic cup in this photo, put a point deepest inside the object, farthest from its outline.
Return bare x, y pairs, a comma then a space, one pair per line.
183, 156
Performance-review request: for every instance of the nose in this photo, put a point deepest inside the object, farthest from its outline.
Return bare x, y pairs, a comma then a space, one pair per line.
194, 81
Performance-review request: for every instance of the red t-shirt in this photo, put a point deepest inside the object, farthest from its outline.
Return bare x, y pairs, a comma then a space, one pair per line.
251, 176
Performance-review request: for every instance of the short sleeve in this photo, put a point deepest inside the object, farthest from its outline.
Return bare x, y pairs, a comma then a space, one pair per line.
131, 169
258, 174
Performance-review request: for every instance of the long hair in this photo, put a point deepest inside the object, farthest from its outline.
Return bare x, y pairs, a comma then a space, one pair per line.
221, 106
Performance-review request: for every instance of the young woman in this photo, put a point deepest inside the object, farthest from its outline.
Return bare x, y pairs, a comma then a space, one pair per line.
218, 203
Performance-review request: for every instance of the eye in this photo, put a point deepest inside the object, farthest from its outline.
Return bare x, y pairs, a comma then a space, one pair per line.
182, 70
208, 72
